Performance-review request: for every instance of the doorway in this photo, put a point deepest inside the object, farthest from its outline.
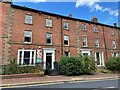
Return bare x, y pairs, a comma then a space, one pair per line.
49, 60
99, 58
49, 57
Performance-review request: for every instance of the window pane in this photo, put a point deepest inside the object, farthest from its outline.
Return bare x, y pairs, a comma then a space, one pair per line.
49, 38
95, 29
66, 53
66, 37
66, 40
20, 57
48, 22
112, 32
28, 19
27, 57
27, 33
83, 27
113, 44
98, 58
96, 42
65, 25
27, 36
32, 57
84, 41
85, 54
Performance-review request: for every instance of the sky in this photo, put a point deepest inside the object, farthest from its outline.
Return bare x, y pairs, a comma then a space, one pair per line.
106, 12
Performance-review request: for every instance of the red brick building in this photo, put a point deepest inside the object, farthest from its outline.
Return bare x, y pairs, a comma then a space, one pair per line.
33, 36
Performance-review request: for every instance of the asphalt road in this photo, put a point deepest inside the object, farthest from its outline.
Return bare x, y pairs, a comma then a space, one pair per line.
89, 85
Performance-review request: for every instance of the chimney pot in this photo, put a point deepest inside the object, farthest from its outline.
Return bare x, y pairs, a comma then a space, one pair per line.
115, 24
70, 15
94, 19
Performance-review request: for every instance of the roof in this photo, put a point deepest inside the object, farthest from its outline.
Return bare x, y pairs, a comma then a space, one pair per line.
60, 16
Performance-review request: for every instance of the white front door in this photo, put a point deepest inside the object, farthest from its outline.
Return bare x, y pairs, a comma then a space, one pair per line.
99, 58
49, 57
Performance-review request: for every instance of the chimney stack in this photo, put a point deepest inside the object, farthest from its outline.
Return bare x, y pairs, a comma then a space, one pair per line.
70, 15
115, 24
94, 19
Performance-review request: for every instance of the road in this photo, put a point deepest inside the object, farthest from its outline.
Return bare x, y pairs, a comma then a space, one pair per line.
90, 85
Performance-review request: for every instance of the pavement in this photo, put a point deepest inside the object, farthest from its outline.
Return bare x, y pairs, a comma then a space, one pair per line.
55, 79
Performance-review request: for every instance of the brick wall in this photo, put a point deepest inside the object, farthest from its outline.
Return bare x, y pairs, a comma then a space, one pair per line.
15, 27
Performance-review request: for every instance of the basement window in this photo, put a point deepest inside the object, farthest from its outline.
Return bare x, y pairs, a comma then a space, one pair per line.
66, 53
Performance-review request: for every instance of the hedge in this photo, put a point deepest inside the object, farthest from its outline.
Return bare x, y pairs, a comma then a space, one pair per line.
73, 66
113, 64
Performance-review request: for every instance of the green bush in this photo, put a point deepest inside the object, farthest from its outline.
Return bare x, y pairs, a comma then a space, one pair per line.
113, 64
13, 68
106, 71
27, 69
70, 66
89, 66
77, 65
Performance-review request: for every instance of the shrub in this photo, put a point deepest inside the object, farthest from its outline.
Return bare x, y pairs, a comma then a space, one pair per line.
77, 65
89, 66
106, 71
13, 68
113, 64
70, 66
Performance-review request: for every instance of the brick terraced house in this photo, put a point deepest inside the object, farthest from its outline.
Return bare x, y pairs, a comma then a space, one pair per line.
33, 36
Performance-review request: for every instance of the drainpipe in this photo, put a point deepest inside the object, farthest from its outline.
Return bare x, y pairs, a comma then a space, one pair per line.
105, 43
61, 37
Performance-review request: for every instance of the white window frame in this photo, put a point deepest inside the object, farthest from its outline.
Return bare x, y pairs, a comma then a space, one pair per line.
95, 28
47, 37
113, 44
88, 51
28, 19
66, 39
112, 32
22, 59
83, 27
85, 41
101, 59
48, 22
66, 24
30, 35
96, 42
117, 54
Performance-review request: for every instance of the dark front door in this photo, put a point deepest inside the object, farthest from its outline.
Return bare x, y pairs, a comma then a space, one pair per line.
49, 60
